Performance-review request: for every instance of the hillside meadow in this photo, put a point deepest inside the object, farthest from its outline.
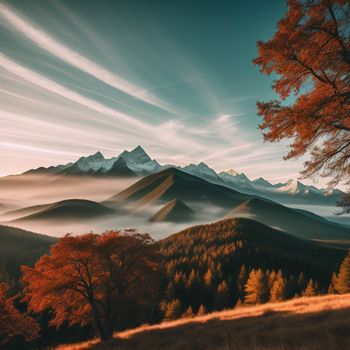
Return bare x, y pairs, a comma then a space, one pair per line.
313, 323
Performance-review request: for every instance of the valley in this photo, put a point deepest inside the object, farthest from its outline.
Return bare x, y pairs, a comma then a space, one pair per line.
133, 190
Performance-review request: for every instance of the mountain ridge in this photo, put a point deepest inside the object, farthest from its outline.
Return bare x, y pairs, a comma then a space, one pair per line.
173, 211
174, 183
66, 209
299, 223
138, 163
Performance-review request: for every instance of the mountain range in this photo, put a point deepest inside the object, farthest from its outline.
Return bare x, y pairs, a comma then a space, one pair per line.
127, 164
176, 196
138, 163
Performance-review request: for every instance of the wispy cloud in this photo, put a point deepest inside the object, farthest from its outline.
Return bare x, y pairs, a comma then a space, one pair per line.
50, 44
166, 134
58, 89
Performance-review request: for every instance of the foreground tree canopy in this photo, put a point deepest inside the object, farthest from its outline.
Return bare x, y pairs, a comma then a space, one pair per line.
12, 322
310, 54
86, 278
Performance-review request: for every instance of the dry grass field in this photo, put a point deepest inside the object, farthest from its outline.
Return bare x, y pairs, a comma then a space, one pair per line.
316, 323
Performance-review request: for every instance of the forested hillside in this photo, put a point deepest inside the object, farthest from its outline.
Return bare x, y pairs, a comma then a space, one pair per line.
19, 247
240, 260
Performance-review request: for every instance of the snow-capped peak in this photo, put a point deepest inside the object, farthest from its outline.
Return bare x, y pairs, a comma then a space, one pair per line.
137, 155
200, 169
97, 156
231, 172
94, 162
293, 186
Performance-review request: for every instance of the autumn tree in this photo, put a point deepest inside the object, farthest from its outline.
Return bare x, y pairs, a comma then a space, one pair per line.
12, 322
310, 57
202, 310
278, 290
257, 289
222, 296
302, 282
86, 279
311, 289
173, 311
188, 313
343, 280
241, 280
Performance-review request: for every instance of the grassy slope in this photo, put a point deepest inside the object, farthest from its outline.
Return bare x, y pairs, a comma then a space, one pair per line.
303, 324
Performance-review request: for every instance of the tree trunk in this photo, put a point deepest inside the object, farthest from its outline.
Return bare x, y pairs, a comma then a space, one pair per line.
104, 335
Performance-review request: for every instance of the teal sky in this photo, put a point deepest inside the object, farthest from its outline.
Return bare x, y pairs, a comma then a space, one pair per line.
174, 76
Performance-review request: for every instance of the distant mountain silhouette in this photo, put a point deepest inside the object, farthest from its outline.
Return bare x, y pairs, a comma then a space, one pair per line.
67, 210
119, 169
299, 223
173, 211
138, 163
173, 183
17, 213
127, 164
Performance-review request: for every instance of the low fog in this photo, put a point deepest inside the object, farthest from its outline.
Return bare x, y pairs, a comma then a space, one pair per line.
19, 192
23, 191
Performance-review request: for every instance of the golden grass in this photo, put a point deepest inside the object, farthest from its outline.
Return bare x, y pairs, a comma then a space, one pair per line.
300, 324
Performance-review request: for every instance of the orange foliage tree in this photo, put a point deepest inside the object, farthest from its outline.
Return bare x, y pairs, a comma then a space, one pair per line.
12, 322
310, 55
86, 278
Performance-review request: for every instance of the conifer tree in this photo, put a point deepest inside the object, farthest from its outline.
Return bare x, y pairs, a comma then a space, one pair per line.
256, 288
292, 287
188, 313
241, 281
192, 278
310, 290
202, 310
343, 282
222, 296
317, 289
271, 276
170, 291
302, 282
332, 289
239, 303
208, 278
174, 310
278, 290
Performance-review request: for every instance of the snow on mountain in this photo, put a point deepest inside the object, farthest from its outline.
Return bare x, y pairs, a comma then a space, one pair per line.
201, 170
237, 179
231, 172
93, 162
128, 163
262, 183
137, 155
294, 186
292, 189
138, 162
